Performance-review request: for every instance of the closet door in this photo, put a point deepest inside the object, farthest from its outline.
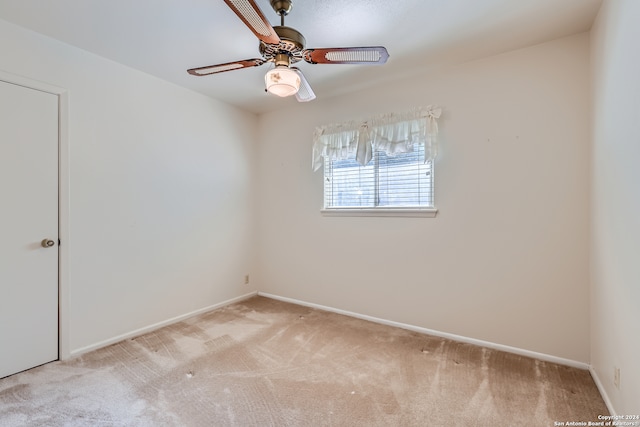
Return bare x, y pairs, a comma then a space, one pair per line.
28, 228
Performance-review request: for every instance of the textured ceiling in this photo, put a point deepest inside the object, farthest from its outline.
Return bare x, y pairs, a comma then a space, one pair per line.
166, 37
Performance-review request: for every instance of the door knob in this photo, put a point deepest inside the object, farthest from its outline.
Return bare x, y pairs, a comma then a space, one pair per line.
47, 243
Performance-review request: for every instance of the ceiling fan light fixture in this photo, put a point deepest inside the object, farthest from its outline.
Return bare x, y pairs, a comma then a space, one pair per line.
284, 46
282, 81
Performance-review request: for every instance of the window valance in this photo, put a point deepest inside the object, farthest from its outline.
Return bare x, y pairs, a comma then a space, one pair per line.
391, 133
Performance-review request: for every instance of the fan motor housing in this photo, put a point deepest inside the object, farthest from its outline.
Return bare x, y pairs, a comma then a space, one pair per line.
291, 43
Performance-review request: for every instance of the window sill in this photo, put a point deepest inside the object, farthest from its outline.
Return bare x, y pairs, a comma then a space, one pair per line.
397, 212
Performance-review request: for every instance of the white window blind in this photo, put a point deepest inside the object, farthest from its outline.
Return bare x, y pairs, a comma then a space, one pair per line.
402, 180
384, 163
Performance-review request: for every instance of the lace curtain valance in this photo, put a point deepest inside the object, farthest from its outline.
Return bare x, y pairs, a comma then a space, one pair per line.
391, 133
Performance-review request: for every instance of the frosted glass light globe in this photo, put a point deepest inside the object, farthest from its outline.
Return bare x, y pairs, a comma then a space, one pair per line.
282, 81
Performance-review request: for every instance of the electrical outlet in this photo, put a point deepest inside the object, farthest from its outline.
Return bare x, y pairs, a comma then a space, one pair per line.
246, 279
616, 377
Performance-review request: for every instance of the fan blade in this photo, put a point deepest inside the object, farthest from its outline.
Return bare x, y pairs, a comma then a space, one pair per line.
229, 66
305, 93
346, 55
252, 16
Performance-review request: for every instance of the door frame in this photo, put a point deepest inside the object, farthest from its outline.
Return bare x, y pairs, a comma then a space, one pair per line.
64, 351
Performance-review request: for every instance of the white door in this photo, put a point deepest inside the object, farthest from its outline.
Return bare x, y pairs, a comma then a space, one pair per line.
28, 215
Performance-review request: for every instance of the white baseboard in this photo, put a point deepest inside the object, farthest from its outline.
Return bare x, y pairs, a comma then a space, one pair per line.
459, 338
602, 390
158, 325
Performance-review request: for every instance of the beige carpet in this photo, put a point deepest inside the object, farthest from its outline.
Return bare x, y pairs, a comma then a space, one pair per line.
268, 363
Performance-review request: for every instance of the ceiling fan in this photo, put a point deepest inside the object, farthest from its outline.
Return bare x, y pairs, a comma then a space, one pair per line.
284, 46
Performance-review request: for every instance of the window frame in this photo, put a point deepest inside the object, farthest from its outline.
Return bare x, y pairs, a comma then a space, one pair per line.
381, 211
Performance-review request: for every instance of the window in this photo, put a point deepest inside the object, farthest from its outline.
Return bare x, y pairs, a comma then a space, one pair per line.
402, 180
382, 166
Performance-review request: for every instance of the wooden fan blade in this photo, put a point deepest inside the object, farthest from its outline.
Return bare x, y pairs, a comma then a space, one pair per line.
305, 93
347, 55
252, 16
229, 66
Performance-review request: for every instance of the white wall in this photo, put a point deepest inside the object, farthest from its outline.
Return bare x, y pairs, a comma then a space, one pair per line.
160, 191
505, 260
615, 230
